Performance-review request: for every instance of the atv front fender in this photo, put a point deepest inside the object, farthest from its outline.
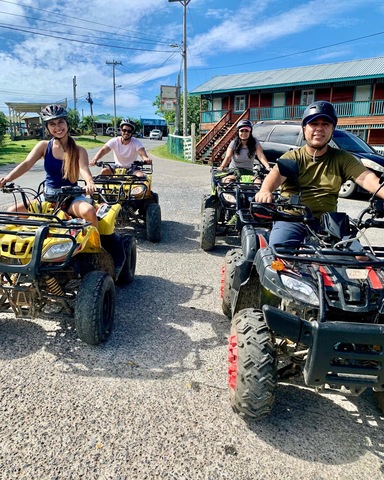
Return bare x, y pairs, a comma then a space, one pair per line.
107, 214
210, 201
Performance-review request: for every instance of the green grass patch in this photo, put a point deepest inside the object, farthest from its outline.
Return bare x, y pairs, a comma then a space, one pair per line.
16, 151
162, 152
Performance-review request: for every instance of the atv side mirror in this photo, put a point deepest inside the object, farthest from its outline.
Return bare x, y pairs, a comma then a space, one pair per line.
288, 168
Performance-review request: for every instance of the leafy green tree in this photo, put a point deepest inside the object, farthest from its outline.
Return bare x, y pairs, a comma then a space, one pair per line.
87, 123
3, 125
193, 112
73, 119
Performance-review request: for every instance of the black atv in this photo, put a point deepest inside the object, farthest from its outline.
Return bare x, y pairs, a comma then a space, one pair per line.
51, 263
219, 209
139, 204
314, 310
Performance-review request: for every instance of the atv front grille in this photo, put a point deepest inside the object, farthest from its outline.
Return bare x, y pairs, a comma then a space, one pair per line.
15, 247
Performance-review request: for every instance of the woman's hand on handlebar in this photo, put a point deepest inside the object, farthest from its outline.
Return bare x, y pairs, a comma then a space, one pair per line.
90, 188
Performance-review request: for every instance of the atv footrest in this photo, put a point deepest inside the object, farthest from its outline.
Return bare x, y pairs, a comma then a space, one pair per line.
340, 353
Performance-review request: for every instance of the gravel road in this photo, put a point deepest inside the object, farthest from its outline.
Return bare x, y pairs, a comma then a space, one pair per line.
152, 403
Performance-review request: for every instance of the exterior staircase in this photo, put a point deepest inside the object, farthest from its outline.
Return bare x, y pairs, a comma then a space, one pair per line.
212, 147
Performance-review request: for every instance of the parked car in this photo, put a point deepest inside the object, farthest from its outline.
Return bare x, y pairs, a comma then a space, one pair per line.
155, 134
111, 132
277, 137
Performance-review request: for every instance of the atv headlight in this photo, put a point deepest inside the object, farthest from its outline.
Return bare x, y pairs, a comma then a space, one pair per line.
229, 197
138, 191
57, 251
300, 290
372, 165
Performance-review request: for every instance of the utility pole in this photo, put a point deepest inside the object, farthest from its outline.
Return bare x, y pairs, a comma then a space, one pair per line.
90, 101
74, 93
184, 55
113, 63
177, 116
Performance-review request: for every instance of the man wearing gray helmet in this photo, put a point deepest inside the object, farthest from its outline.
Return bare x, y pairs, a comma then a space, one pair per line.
125, 150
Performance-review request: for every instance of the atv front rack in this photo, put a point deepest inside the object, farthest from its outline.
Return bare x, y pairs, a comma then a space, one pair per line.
119, 189
340, 354
40, 227
313, 254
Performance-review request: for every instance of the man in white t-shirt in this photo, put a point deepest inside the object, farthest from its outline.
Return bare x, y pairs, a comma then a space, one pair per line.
125, 150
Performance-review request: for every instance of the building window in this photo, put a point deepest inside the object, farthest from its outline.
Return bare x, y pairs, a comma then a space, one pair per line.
307, 97
239, 103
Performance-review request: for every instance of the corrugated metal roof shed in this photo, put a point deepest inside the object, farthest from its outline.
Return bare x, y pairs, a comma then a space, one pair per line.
328, 72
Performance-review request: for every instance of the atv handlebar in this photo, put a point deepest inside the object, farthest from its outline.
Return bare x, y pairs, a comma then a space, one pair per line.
112, 167
281, 211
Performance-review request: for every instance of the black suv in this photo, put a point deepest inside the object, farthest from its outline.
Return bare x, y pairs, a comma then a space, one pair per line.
277, 137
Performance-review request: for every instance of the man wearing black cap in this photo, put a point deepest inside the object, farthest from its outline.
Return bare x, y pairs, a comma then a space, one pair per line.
322, 171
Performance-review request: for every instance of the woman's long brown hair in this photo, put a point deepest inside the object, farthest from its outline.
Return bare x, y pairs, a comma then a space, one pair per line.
71, 167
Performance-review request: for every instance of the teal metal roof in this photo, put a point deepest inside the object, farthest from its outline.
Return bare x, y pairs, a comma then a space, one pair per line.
365, 68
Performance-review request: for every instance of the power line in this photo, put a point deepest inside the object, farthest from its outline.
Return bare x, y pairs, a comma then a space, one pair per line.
82, 41
61, 15
51, 22
293, 54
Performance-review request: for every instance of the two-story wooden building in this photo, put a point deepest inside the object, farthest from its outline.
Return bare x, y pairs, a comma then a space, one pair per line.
356, 88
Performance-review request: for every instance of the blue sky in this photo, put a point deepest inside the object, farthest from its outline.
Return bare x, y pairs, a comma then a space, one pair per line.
44, 44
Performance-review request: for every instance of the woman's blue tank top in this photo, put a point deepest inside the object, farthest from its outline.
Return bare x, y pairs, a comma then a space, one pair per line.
53, 168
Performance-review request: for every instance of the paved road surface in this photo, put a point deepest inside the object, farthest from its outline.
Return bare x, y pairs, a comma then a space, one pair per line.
152, 403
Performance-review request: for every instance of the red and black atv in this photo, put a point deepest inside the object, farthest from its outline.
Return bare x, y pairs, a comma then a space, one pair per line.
314, 310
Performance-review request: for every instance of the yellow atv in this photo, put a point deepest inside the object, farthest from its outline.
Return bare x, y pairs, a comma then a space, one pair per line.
139, 204
52, 263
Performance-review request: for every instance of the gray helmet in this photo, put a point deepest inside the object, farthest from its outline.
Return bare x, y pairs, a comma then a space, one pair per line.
319, 109
244, 123
127, 121
52, 112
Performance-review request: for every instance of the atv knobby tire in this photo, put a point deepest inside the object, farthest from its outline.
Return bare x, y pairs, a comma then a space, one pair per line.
231, 258
127, 273
95, 307
252, 372
208, 228
153, 222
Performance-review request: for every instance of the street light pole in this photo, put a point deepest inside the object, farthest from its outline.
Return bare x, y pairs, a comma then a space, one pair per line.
113, 63
184, 55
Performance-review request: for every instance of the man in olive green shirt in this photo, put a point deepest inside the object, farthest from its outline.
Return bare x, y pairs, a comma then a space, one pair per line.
322, 171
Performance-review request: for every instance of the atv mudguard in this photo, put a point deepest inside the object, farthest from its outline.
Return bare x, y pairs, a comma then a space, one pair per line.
250, 243
210, 201
114, 246
243, 271
106, 215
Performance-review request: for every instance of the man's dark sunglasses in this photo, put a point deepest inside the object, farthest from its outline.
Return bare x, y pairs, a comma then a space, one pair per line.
125, 130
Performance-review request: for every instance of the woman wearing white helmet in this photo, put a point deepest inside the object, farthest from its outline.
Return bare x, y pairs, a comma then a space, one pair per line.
64, 162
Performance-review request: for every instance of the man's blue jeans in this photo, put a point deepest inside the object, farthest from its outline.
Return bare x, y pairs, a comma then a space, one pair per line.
287, 233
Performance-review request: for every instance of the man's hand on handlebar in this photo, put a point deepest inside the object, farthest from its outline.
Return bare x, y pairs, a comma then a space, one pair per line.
264, 196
